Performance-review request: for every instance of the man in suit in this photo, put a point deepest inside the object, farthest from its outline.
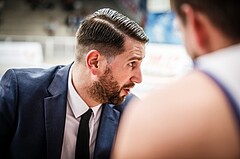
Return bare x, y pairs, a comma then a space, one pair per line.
198, 116
40, 109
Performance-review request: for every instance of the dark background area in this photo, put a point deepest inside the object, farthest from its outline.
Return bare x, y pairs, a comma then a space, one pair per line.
50, 17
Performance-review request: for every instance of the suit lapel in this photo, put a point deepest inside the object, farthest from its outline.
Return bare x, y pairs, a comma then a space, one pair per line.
55, 113
106, 132
108, 128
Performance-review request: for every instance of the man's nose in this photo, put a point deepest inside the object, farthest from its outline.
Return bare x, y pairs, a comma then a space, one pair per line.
137, 76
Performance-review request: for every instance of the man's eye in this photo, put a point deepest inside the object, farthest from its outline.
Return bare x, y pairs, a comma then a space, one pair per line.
132, 64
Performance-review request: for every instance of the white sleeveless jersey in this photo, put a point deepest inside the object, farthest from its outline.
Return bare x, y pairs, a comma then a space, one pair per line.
223, 66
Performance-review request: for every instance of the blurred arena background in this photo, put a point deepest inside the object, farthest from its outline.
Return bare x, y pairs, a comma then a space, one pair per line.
40, 33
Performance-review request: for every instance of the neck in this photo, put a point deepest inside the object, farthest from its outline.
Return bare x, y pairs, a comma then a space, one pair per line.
216, 39
81, 81
221, 43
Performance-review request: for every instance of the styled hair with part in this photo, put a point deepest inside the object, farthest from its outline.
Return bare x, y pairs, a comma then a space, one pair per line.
105, 30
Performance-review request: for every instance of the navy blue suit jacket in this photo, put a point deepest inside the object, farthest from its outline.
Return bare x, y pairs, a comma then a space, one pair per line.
33, 111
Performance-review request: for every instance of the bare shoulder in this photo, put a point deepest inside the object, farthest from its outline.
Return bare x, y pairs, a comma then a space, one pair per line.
190, 118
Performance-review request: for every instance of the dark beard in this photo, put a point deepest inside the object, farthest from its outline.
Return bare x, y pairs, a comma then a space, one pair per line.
107, 90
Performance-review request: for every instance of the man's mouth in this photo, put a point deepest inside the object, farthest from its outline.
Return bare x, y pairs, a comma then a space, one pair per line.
127, 88
127, 91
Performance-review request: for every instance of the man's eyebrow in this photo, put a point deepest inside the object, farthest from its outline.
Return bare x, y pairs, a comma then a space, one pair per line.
136, 58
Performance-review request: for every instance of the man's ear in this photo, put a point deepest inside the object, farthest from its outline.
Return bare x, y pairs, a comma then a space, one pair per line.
92, 61
196, 23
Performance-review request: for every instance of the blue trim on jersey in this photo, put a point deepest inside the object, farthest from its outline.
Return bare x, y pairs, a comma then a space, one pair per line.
228, 95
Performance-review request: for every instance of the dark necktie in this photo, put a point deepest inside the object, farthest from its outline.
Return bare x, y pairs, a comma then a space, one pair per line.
82, 144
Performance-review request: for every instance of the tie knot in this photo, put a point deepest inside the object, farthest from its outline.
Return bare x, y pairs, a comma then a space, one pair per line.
86, 115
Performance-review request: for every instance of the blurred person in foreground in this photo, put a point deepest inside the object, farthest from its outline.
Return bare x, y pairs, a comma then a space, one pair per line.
197, 116
40, 109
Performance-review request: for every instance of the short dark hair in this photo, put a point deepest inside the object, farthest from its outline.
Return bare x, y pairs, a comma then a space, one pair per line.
222, 13
105, 30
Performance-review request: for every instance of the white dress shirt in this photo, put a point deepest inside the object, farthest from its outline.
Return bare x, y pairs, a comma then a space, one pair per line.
75, 108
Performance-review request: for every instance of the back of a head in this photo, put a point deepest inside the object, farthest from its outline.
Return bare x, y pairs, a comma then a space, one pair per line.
222, 13
105, 30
